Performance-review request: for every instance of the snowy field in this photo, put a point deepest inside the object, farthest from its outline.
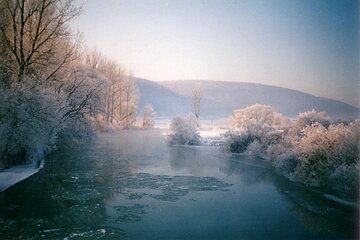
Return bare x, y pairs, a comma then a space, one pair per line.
164, 123
212, 136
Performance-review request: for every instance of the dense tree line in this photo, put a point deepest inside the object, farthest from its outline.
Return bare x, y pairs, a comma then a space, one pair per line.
51, 87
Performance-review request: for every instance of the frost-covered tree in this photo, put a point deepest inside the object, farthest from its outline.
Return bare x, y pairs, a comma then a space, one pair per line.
196, 100
128, 106
35, 37
148, 118
182, 131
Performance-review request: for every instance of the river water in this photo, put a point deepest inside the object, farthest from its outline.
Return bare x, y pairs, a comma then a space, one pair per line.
132, 185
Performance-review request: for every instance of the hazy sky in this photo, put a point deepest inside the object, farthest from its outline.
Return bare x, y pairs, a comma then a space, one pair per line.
310, 46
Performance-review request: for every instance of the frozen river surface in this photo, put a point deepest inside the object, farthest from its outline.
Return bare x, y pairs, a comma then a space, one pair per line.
132, 185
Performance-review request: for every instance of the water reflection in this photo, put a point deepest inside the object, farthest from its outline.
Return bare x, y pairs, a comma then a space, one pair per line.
249, 170
188, 158
317, 213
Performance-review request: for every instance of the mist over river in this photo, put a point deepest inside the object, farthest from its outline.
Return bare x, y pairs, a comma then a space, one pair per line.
132, 185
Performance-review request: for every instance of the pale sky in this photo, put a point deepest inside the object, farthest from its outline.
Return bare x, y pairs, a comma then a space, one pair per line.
307, 45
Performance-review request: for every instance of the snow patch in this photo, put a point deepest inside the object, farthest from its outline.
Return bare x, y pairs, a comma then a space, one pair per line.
211, 133
13, 175
212, 137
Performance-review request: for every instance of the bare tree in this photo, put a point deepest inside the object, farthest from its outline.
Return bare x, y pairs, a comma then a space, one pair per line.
36, 36
197, 97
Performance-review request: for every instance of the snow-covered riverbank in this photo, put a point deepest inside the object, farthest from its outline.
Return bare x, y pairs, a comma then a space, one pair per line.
13, 175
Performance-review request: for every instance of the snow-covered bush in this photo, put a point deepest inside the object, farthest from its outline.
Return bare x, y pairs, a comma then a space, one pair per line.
308, 118
256, 149
345, 179
257, 118
311, 150
324, 154
183, 131
286, 141
282, 153
326, 157
238, 141
253, 129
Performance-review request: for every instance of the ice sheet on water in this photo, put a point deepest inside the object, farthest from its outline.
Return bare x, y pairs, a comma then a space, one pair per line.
78, 194
156, 187
80, 197
172, 187
20, 230
168, 188
133, 196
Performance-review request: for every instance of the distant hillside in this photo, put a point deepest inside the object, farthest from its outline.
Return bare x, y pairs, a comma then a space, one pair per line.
166, 103
172, 98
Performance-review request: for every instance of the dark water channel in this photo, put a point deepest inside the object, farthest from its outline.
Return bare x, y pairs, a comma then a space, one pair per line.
131, 185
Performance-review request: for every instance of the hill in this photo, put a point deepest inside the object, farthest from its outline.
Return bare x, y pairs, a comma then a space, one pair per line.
172, 98
166, 103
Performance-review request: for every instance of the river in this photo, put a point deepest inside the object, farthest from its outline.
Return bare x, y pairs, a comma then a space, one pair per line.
132, 185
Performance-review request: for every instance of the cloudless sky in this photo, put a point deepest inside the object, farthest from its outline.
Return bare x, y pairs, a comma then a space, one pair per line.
308, 45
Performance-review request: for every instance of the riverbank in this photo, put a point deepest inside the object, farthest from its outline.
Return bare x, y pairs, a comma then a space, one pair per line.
15, 174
